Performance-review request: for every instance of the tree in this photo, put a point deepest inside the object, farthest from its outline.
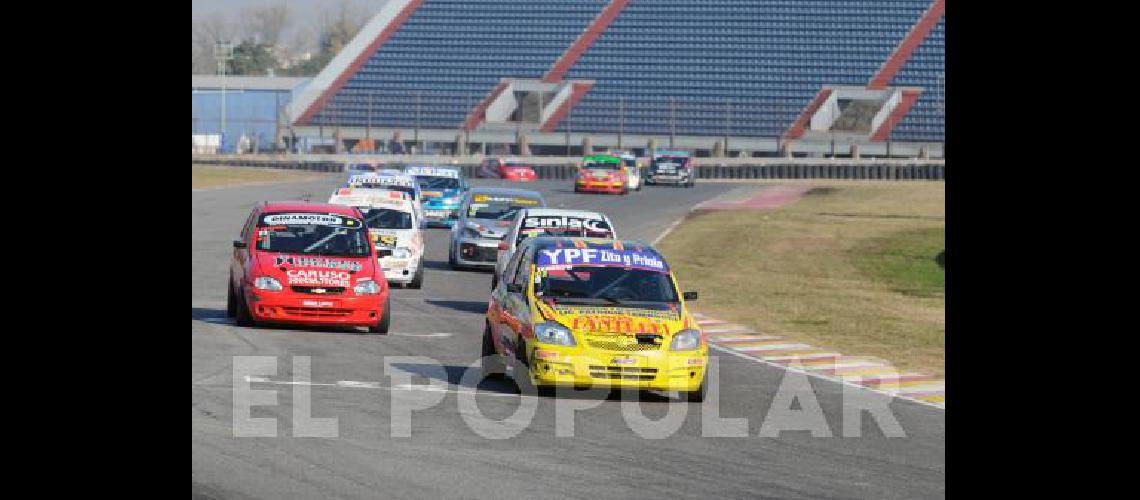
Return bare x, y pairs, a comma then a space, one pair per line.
251, 58
335, 31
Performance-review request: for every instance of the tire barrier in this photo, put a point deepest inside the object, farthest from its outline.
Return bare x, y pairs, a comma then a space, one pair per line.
823, 170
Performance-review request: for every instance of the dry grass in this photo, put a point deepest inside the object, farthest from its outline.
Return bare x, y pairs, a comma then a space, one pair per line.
852, 269
211, 176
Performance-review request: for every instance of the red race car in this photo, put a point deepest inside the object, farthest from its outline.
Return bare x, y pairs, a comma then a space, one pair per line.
601, 174
307, 263
511, 170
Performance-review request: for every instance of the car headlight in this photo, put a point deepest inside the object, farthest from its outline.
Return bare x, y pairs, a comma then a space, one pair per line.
553, 333
401, 253
366, 286
267, 283
686, 340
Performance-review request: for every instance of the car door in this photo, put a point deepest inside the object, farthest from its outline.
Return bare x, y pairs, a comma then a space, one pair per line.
241, 256
516, 306
499, 302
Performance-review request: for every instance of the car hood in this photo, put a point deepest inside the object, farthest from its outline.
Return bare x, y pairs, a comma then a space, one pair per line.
436, 194
664, 320
492, 228
312, 270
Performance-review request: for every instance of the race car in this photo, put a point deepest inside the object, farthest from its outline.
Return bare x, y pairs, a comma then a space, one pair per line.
632, 169
531, 222
442, 189
307, 263
361, 168
484, 218
584, 313
601, 174
393, 181
671, 167
509, 169
395, 231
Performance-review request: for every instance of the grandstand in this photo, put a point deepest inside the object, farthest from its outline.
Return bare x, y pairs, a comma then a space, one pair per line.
754, 73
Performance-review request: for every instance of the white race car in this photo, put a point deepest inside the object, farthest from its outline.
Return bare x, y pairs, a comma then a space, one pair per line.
632, 171
393, 181
395, 229
530, 222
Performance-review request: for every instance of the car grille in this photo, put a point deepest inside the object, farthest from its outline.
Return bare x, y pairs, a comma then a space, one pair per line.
317, 311
473, 252
383, 252
328, 290
621, 344
622, 372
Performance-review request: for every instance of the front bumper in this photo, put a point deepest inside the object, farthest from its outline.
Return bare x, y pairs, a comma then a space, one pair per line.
599, 186
399, 270
668, 178
478, 252
313, 309
583, 367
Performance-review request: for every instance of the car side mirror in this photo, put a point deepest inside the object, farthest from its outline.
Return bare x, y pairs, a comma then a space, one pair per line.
239, 244
690, 296
514, 288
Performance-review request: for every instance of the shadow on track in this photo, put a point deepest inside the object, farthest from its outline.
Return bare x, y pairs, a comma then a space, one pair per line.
218, 317
453, 375
471, 306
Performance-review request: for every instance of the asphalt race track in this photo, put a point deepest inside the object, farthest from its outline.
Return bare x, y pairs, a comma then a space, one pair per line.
445, 457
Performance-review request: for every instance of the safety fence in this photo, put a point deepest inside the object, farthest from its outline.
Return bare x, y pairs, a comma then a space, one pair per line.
824, 169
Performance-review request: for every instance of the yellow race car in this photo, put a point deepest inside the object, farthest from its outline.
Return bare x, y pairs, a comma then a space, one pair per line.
584, 313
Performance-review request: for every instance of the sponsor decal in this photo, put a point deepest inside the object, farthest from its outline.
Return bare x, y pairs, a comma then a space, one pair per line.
304, 219
384, 239
616, 325
549, 222
623, 361
318, 277
513, 200
297, 261
432, 172
381, 180
667, 315
316, 303
562, 257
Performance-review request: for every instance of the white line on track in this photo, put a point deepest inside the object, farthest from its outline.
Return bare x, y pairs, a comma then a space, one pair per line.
824, 377
354, 384
772, 347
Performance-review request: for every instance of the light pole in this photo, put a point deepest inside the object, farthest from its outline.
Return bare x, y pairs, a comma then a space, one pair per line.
223, 54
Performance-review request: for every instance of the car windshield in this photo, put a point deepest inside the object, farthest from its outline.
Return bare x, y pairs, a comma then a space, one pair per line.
501, 207
629, 162
515, 164
596, 165
313, 234
386, 218
668, 161
609, 283
431, 182
501, 210
362, 168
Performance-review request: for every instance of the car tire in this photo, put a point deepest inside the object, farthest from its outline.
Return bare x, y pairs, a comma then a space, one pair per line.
385, 323
697, 396
490, 364
244, 318
494, 280
418, 281
231, 303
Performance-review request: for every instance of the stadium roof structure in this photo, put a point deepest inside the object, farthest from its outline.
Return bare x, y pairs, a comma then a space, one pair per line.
783, 69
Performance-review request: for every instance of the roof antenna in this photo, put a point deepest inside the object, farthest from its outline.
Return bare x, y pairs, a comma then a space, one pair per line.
306, 197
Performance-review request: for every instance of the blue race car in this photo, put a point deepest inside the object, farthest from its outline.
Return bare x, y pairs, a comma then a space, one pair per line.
443, 189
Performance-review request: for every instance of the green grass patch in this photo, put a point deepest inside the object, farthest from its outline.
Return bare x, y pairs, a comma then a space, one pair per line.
910, 261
